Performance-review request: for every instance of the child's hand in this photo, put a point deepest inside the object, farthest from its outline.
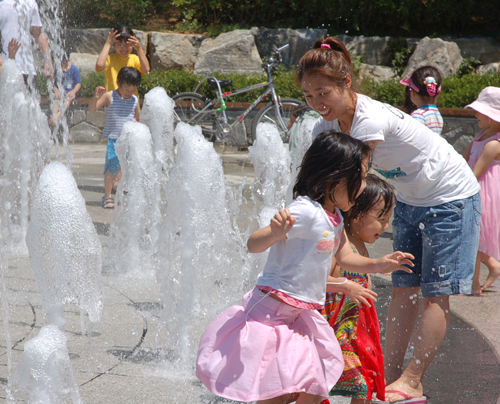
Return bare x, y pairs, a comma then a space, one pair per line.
359, 295
71, 95
13, 47
99, 91
135, 43
112, 37
281, 223
396, 262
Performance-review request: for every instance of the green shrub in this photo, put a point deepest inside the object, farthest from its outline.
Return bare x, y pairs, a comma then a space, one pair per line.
389, 91
90, 82
457, 91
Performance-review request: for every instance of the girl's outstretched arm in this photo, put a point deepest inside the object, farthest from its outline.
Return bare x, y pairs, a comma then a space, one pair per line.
353, 262
264, 238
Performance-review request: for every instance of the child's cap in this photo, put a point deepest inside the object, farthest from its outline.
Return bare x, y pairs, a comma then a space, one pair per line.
430, 82
488, 103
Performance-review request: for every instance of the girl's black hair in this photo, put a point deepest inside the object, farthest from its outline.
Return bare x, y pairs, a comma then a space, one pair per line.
418, 78
130, 76
376, 189
332, 157
125, 32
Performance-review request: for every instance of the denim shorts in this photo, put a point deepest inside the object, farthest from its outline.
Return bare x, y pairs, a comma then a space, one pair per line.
444, 240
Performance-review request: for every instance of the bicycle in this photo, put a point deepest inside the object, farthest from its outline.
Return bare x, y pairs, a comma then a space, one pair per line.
195, 109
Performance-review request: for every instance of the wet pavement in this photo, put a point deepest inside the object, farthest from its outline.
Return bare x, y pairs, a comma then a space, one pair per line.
118, 363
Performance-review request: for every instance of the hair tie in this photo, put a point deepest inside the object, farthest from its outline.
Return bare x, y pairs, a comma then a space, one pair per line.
432, 87
325, 45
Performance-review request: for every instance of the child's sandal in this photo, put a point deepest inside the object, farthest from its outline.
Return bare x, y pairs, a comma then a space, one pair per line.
108, 202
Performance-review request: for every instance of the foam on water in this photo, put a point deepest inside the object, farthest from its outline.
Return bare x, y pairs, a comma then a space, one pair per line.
65, 252
200, 259
134, 228
45, 371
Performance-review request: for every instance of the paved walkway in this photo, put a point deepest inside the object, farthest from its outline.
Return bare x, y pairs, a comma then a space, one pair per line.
119, 361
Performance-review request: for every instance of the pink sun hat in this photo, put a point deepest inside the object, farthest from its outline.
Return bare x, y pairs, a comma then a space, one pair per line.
488, 103
409, 83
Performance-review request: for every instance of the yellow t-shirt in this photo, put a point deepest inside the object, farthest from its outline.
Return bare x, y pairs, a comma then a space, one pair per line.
114, 63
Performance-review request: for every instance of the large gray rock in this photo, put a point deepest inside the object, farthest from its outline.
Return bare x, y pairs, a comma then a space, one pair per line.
84, 132
436, 52
173, 51
485, 49
232, 52
372, 49
377, 73
92, 40
84, 61
300, 41
489, 68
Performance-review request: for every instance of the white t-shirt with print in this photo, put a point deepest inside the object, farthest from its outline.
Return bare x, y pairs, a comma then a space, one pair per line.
299, 266
425, 169
10, 28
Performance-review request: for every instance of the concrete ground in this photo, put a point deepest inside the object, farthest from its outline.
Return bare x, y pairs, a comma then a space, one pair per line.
119, 362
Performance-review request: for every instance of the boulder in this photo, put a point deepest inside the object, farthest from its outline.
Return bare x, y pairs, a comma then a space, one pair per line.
489, 68
232, 52
84, 61
173, 51
97, 118
373, 50
300, 41
92, 40
485, 49
436, 52
377, 73
84, 132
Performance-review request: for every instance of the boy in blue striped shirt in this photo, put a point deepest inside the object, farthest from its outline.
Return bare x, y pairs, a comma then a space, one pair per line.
122, 106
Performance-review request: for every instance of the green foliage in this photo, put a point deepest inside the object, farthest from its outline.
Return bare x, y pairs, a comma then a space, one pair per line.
400, 54
460, 91
389, 91
106, 13
468, 66
90, 82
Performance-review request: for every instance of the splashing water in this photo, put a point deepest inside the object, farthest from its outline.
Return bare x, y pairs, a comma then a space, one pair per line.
65, 252
271, 161
200, 259
24, 146
134, 231
45, 371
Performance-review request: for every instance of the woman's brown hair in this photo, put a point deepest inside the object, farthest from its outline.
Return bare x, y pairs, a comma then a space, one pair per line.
330, 58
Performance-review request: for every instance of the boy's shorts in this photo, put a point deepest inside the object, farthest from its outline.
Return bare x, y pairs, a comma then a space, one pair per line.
444, 240
112, 163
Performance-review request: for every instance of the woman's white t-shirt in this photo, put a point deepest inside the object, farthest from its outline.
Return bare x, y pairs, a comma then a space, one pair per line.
425, 169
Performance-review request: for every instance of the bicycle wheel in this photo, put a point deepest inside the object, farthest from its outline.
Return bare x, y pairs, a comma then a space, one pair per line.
268, 114
193, 108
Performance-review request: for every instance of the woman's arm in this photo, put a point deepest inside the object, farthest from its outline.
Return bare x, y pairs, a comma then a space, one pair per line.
491, 151
264, 238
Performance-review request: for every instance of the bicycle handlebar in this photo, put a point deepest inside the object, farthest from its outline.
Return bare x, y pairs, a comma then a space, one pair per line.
282, 48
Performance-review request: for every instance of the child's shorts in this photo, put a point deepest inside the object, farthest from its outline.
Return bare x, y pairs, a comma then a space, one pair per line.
112, 163
444, 240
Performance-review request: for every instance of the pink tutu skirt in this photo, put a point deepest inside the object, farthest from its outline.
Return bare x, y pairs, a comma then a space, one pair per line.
266, 349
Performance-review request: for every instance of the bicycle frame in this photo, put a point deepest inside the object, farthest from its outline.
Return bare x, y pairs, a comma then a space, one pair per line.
222, 96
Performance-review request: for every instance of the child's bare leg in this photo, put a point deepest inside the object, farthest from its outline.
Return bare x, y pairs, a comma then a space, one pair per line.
494, 268
476, 285
109, 177
118, 177
401, 320
305, 398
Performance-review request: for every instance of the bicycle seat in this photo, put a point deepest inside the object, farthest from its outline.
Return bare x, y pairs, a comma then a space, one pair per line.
222, 83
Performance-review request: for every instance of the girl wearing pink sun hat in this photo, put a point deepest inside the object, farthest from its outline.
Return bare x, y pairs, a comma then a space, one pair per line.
483, 155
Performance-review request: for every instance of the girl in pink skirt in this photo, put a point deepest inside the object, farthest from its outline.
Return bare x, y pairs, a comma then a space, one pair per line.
278, 346
483, 155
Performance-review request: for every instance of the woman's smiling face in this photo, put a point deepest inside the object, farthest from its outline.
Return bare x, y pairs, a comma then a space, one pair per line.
325, 97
